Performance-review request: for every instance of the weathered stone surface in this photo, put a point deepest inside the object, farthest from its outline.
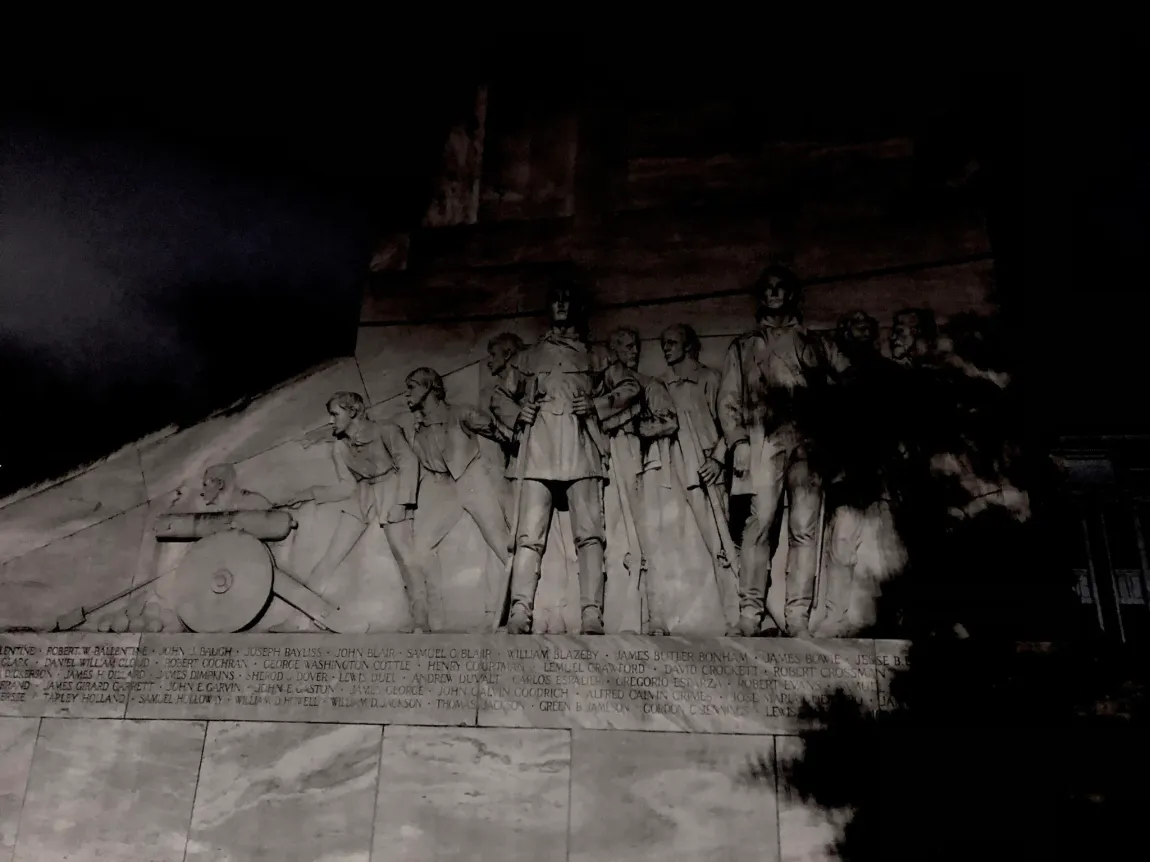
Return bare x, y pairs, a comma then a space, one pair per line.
455, 794
289, 792
78, 674
662, 797
83, 569
807, 831
414, 679
717, 685
283, 414
892, 661
67, 508
110, 790
17, 741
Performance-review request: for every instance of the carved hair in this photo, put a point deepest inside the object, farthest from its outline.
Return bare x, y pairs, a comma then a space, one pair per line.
570, 283
352, 402
430, 378
226, 473
691, 343
510, 340
847, 321
620, 332
785, 277
925, 327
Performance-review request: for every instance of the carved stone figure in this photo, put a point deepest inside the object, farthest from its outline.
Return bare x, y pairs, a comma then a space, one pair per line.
453, 480
913, 336
762, 397
634, 410
377, 477
855, 343
862, 545
547, 398
698, 454
500, 453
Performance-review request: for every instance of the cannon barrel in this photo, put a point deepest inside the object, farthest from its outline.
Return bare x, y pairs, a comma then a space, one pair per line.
268, 526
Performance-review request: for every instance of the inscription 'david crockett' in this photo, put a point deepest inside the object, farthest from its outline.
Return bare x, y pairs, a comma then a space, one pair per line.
732, 686
297, 677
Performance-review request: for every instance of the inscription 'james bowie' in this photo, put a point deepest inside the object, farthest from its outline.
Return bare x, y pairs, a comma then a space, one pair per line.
286, 678
638, 682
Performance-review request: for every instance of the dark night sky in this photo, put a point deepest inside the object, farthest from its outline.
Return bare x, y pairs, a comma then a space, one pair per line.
160, 257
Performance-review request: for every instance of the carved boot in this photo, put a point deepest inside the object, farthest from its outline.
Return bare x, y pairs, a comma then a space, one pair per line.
746, 627
519, 621
592, 621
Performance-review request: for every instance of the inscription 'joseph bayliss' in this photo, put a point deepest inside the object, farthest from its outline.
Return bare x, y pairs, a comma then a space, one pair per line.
665, 683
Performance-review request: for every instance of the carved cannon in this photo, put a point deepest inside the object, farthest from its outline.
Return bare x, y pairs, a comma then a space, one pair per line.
227, 580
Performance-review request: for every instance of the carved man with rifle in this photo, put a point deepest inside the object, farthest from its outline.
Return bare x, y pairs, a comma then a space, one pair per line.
546, 396
699, 452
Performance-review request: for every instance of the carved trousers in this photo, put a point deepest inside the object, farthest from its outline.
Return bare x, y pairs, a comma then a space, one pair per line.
781, 468
863, 549
443, 502
536, 504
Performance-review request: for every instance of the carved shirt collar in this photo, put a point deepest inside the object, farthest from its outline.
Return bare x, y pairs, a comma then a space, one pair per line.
769, 324
435, 415
564, 339
682, 372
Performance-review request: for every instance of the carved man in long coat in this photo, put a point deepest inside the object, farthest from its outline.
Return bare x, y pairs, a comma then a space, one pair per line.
547, 397
763, 396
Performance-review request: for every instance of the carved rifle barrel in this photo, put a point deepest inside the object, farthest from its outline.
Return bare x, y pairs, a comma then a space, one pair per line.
271, 526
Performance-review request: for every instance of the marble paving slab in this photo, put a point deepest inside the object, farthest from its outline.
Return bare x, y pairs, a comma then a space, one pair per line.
374, 679
669, 797
103, 790
77, 674
17, 741
808, 830
285, 792
470, 793
629, 682
61, 510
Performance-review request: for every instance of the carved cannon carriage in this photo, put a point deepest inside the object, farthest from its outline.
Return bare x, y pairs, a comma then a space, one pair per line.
228, 578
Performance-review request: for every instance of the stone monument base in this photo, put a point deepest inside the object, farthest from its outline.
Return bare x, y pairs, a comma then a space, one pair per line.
306, 747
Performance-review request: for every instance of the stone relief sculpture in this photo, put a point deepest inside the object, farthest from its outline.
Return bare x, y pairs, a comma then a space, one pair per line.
377, 477
862, 546
619, 403
830, 433
762, 397
547, 397
454, 482
698, 454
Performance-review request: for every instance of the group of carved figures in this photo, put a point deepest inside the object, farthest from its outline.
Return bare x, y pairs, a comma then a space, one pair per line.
580, 429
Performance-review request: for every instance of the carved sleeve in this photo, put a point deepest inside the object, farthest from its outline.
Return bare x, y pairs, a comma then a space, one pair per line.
405, 459
729, 403
711, 391
345, 482
621, 391
659, 419
477, 422
506, 398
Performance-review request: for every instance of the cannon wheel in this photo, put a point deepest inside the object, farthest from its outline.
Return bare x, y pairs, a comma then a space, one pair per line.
224, 583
